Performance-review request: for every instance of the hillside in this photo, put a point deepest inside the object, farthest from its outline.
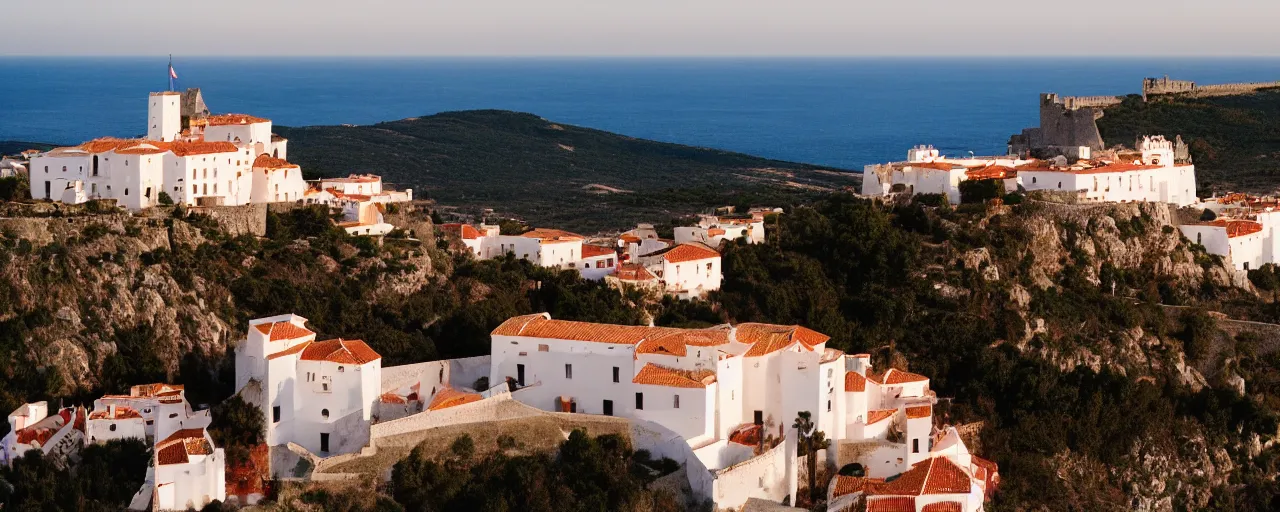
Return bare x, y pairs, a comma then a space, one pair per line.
13, 147
1234, 140
553, 174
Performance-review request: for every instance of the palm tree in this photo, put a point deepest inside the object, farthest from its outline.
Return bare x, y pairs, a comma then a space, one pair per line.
809, 441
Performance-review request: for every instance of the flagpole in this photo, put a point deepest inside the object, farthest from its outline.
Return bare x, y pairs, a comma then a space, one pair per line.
170, 72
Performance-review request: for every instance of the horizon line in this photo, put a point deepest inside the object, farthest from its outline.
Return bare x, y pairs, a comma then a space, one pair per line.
654, 56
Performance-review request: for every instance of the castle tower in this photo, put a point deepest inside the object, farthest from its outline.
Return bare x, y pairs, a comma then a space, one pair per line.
164, 116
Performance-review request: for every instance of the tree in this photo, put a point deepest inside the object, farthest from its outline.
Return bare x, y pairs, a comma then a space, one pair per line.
810, 440
237, 426
980, 191
1207, 215
164, 198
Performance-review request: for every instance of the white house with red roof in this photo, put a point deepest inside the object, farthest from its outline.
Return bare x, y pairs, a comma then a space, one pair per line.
188, 472
318, 394
195, 160
1151, 175
687, 270
31, 427
554, 248
713, 230
148, 412
927, 171
949, 479
1245, 244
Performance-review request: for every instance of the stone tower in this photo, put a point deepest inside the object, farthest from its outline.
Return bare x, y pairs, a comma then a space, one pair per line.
164, 116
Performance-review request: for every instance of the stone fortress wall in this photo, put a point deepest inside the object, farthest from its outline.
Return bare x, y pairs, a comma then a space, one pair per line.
1162, 86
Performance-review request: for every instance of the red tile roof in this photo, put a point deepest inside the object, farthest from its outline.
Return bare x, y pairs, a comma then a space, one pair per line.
936, 475
178, 447
891, 504
593, 251
266, 161
464, 231
854, 382
277, 331
877, 416
157, 389
122, 413
924, 411
392, 398
846, 485
747, 435
202, 148
1235, 227
289, 351
991, 172
552, 235
340, 351
769, 338
449, 397
633, 272
234, 119
688, 252
943, 506
894, 376
539, 326
655, 375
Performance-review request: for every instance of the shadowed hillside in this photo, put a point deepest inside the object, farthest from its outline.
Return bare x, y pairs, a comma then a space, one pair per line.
553, 174
1234, 140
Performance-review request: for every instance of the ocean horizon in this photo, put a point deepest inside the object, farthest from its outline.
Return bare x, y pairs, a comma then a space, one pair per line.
838, 112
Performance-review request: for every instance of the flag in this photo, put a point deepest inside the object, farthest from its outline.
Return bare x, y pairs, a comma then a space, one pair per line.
172, 74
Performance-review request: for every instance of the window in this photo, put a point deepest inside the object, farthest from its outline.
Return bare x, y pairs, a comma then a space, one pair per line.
615, 374
193, 174
568, 371
340, 369
195, 189
828, 406
324, 413
324, 386
639, 401
112, 427
1198, 235
150, 422
275, 414
1033, 179
1246, 265
126, 191
542, 347
64, 168
608, 407
915, 446
675, 401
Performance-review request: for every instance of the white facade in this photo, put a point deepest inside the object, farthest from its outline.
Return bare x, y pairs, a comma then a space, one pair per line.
712, 230
551, 248
210, 163
687, 270
188, 471
164, 116
318, 394
926, 171
148, 412
31, 427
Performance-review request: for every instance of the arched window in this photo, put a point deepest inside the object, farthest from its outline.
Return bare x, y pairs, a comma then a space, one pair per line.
126, 191
324, 413
95, 165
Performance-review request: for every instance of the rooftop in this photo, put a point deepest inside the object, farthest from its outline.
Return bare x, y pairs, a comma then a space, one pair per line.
340, 351
266, 161
449, 397
656, 375
235, 119
1235, 227
181, 445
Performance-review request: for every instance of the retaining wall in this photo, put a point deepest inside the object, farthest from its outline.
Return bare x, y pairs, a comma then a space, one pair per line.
764, 477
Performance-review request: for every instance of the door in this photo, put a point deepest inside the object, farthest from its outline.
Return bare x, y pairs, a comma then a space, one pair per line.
47, 193
520, 374
759, 418
608, 407
639, 401
324, 442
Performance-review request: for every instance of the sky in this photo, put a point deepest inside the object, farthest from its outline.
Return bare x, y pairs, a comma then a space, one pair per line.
640, 28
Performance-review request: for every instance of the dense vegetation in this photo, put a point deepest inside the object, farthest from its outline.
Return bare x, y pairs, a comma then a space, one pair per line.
1234, 140
552, 174
104, 481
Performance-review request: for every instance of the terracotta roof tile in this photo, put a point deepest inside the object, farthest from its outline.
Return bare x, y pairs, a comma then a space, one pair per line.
593, 251
392, 398
277, 331
877, 416
340, 351
122, 413
715, 232
266, 161
1235, 227
943, 506
991, 172
746, 435
289, 351
936, 475
891, 504
633, 272
854, 382
179, 446
769, 338
923, 411
894, 376
688, 252
234, 119
846, 485
552, 235
655, 375
464, 231
449, 397
202, 148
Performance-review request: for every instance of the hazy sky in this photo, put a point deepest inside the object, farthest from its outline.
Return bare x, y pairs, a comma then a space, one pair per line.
640, 27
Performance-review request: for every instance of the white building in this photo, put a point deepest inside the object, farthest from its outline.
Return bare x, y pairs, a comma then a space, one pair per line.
712, 230
1243, 243
188, 471
552, 248
32, 428
722, 389
148, 412
1149, 174
200, 160
926, 171
949, 479
688, 270
318, 394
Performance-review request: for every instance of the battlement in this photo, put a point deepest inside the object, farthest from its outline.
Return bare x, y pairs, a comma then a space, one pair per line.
1079, 102
1161, 86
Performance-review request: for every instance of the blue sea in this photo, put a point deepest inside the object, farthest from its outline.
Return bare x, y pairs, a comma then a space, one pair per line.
835, 112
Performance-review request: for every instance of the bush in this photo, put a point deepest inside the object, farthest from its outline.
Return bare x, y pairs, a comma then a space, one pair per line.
1207, 215
980, 191
164, 198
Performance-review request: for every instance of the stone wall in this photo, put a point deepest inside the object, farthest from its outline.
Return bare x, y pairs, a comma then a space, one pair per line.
763, 476
1161, 86
237, 220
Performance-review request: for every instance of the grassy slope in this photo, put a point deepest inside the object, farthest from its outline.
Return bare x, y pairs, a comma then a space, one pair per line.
1235, 140
538, 170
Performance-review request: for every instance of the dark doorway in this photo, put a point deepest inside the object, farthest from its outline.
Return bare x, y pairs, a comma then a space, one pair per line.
324, 442
639, 401
520, 374
759, 419
608, 407
47, 193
